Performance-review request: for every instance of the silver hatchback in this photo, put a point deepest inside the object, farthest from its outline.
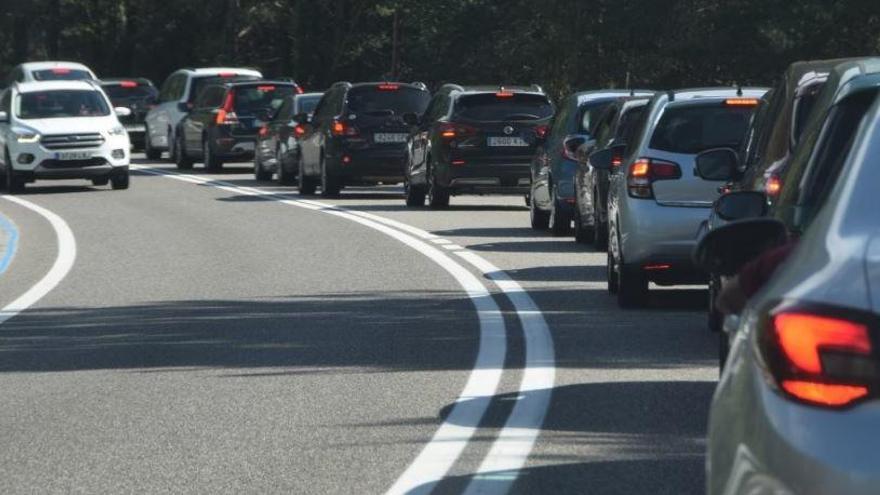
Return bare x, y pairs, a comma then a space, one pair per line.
656, 200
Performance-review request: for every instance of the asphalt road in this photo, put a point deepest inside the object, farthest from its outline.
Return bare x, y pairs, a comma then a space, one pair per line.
218, 335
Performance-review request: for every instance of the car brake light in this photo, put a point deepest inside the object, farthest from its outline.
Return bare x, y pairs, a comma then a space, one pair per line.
226, 115
264, 131
616, 158
452, 130
645, 171
129, 84
822, 360
300, 90
541, 131
388, 87
504, 94
265, 88
773, 186
741, 102
60, 70
299, 130
340, 128
227, 74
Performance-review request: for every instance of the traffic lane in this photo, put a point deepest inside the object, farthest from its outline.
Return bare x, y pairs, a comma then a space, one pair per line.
230, 345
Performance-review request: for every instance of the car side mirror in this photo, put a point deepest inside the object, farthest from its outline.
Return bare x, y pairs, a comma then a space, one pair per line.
122, 111
602, 159
739, 205
411, 119
573, 142
4, 117
720, 164
723, 251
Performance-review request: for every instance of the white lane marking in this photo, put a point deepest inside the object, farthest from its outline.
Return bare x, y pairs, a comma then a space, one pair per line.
441, 241
452, 247
449, 441
63, 261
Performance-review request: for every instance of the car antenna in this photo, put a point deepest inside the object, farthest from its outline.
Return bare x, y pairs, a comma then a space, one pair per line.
739, 90
632, 92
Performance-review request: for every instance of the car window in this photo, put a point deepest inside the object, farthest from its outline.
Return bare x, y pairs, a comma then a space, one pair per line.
261, 99
210, 97
629, 120
589, 114
694, 128
128, 90
605, 126
307, 104
60, 74
61, 104
490, 107
379, 100
803, 106
438, 108
561, 121
324, 111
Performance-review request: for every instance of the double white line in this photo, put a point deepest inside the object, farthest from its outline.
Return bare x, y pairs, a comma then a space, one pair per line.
511, 448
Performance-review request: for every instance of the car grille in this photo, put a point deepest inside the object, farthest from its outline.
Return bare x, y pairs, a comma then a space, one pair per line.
62, 164
72, 141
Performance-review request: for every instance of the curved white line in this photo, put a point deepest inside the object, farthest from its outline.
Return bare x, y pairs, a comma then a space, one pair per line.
63, 262
449, 441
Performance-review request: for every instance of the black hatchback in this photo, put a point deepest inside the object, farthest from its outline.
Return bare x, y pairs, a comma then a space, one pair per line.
357, 135
475, 140
137, 94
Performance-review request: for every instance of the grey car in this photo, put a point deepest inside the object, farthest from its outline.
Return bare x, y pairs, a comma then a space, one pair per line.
656, 200
796, 409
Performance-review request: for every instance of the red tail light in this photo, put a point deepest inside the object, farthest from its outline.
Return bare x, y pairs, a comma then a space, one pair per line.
541, 131
128, 84
300, 90
452, 130
773, 186
822, 360
264, 131
226, 115
645, 171
617, 158
341, 128
504, 94
388, 87
299, 130
60, 70
265, 89
227, 74
741, 102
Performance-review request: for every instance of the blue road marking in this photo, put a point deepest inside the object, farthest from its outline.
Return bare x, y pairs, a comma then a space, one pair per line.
11, 243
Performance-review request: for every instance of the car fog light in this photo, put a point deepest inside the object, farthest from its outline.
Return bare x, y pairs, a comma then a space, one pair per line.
25, 158
118, 154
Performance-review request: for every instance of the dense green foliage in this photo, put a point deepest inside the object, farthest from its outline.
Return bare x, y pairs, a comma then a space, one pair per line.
562, 44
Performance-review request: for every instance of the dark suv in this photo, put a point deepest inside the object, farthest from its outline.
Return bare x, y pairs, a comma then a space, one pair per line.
137, 94
477, 140
225, 120
357, 135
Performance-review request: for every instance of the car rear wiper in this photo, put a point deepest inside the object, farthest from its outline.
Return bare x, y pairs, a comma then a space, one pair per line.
522, 116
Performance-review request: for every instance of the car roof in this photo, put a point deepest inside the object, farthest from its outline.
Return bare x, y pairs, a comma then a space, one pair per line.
119, 80
313, 94
257, 82
28, 87
588, 96
54, 64
418, 86
213, 71
696, 94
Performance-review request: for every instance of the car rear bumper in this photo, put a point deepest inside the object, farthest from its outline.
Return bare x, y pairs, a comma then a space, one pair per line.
488, 178
370, 165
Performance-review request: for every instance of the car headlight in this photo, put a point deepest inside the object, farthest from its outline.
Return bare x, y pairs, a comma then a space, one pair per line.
117, 131
25, 136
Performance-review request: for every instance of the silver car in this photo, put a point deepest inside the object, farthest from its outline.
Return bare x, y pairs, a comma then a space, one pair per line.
656, 200
796, 409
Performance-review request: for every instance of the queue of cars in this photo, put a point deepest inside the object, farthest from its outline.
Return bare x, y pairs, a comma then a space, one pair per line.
764, 194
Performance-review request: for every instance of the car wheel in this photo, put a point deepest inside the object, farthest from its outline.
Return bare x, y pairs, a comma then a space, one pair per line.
211, 161
14, 183
415, 195
120, 180
152, 153
560, 221
632, 286
172, 148
582, 233
539, 219
611, 272
260, 173
438, 196
723, 350
307, 185
103, 181
285, 177
715, 317
181, 157
330, 186
600, 229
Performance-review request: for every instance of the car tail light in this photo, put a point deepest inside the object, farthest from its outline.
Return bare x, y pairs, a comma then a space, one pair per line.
227, 74
300, 90
226, 115
541, 131
616, 158
264, 131
741, 102
299, 130
60, 70
645, 171
265, 89
452, 130
340, 128
773, 186
129, 84
388, 87
504, 94
820, 359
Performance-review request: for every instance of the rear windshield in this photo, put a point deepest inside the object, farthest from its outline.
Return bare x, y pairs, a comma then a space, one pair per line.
261, 99
489, 107
200, 82
60, 104
120, 92
61, 75
374, 100
695, 128
307, 104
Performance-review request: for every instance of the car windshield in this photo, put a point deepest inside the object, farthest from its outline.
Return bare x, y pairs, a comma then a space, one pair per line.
374, 100
128, 91
259, 99
61, 104
490, 107
694, 128
61, 74
307, 104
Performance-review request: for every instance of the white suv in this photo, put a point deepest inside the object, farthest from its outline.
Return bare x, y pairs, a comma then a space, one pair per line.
50, 71
176, 98
61, 130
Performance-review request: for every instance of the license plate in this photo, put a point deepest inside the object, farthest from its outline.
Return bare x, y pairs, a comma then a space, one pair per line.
384, 137
73, 155
507, 141
135, 128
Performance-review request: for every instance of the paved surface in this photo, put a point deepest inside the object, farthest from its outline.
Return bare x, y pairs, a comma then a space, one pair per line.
210, 341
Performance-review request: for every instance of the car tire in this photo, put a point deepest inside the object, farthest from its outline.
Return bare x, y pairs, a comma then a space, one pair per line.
181, 157
260, 173
152, 153
120, 180
103, 181
600, 229
212, 163
307, 185
438, 196
415, 195
632, 286
539, 219
284, 176
582, 233
560, 221
14, 183
330, 186
723, 350
172, 150
613, 282
715, 318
